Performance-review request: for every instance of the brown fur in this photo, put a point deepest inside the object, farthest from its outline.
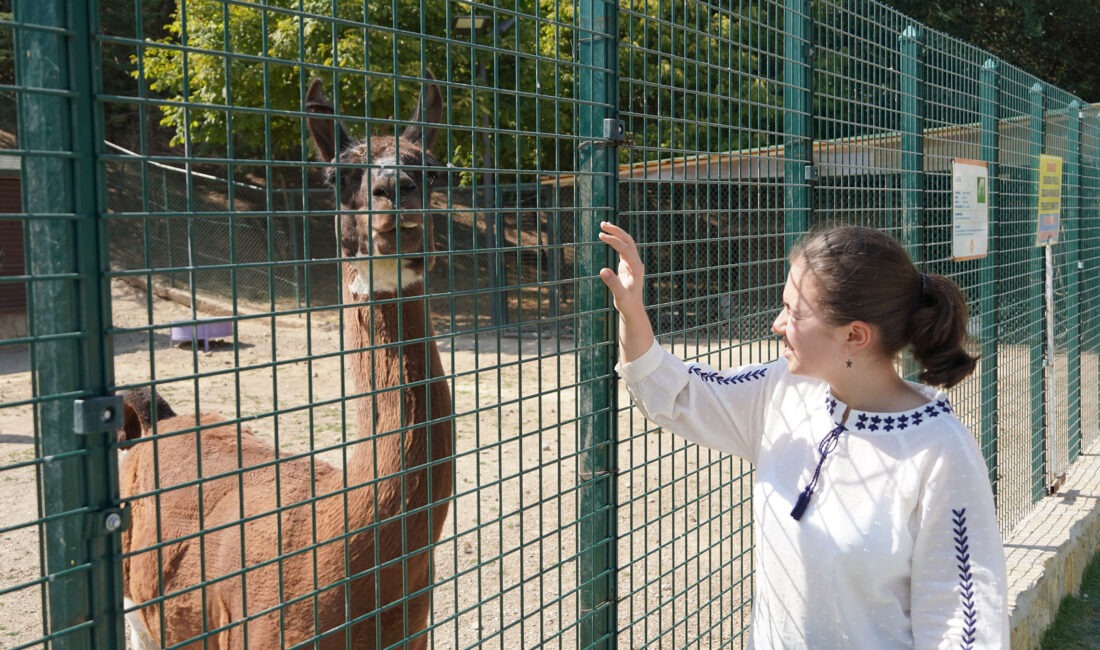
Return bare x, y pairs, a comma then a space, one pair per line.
372, 524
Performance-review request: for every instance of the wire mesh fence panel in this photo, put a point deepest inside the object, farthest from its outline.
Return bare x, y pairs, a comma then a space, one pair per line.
341, 259
701, 193
1087, 285
477, 441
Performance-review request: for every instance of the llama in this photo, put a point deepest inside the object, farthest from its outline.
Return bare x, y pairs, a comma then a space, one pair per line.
341, 555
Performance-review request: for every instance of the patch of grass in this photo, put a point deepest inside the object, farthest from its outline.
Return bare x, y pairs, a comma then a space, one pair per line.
1077, 626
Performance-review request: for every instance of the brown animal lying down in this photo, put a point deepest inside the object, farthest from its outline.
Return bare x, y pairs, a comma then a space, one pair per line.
268, 539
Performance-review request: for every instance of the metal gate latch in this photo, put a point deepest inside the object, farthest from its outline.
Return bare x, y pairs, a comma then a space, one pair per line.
97, 415
614, 135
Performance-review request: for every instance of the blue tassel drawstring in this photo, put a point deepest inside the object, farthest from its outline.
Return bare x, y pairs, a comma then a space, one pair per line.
825, 447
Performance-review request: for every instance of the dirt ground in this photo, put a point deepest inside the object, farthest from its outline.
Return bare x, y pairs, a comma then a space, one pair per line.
506, 567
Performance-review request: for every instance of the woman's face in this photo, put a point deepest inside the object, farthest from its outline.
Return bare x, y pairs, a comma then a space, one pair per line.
814, 347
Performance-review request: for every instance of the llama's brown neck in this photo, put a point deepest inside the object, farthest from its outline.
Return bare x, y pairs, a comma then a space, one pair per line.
392, 359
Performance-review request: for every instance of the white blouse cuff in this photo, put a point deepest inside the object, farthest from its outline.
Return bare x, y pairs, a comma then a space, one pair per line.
634, 371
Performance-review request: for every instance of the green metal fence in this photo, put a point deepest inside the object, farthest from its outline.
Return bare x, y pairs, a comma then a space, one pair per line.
174, 233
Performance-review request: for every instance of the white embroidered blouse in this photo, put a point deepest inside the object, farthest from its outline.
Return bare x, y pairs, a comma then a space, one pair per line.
899, 546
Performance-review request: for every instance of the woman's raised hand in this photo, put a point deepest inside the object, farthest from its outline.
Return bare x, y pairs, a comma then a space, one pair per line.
635, 332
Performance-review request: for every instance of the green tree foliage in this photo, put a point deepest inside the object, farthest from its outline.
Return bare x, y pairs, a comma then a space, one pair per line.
119, 28
117, 23
234, 73
1054, 40
702, 77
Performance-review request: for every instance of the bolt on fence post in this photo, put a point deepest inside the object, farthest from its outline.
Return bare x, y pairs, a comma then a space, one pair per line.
1071, 183
990, 143
911, 88
69, 313
797, 119
1039, 421
597, 192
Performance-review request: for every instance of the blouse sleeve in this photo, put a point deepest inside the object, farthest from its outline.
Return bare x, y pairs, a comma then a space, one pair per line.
721, 410
959, 584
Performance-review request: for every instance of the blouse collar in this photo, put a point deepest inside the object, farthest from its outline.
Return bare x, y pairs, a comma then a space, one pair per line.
870, 422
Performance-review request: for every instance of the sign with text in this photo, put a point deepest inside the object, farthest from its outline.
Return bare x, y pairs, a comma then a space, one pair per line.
969, 209
1050, 200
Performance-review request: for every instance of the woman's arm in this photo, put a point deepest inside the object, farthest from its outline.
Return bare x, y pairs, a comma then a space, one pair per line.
958, 581
722, 410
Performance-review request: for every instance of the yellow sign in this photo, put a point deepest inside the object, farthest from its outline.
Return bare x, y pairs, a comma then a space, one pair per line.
1050, 200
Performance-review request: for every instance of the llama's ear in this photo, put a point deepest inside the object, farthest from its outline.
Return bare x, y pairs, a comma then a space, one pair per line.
431, 103
327, 133
131, 426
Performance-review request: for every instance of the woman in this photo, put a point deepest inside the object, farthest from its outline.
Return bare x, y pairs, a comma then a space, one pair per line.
875, 521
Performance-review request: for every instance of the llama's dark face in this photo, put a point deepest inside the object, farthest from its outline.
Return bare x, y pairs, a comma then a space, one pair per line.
382, 226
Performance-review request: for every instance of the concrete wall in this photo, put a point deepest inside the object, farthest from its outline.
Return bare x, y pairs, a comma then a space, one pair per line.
1048, 551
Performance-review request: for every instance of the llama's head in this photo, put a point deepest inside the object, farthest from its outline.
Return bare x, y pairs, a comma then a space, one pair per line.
140, 410
383, 181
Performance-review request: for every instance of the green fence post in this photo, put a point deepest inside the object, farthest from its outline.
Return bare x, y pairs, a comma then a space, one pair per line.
798, 165
989, 105
597, 95
1035, 307
1090, 181
1090, 285
1070, 200
69, 314
911, 106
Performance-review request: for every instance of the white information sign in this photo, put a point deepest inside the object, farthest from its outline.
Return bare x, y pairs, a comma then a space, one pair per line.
969, 209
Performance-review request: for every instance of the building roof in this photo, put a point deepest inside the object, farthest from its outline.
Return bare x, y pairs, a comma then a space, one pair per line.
875, 153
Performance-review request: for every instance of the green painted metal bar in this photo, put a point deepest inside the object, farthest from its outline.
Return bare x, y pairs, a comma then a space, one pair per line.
1090, 181
990, 102
798, 167
79, 493
597, 192
911, 103
1071, 192
1036, 348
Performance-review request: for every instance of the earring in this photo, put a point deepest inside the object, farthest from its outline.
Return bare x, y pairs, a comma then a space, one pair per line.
848, 362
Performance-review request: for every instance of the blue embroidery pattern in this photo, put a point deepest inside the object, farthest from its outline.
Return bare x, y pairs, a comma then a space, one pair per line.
715, 377
872, 422
966, 581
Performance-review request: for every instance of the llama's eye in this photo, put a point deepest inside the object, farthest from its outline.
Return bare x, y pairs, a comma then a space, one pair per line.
432, 177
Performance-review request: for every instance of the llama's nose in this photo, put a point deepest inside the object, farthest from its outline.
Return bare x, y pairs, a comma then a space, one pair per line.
393, 185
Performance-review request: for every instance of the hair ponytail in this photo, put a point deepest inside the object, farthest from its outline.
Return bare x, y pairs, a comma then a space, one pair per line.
937, 333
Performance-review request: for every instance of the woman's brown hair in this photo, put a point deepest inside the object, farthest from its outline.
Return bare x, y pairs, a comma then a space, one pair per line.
864, 274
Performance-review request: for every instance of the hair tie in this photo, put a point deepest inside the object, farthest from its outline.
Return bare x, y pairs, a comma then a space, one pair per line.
920, 296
